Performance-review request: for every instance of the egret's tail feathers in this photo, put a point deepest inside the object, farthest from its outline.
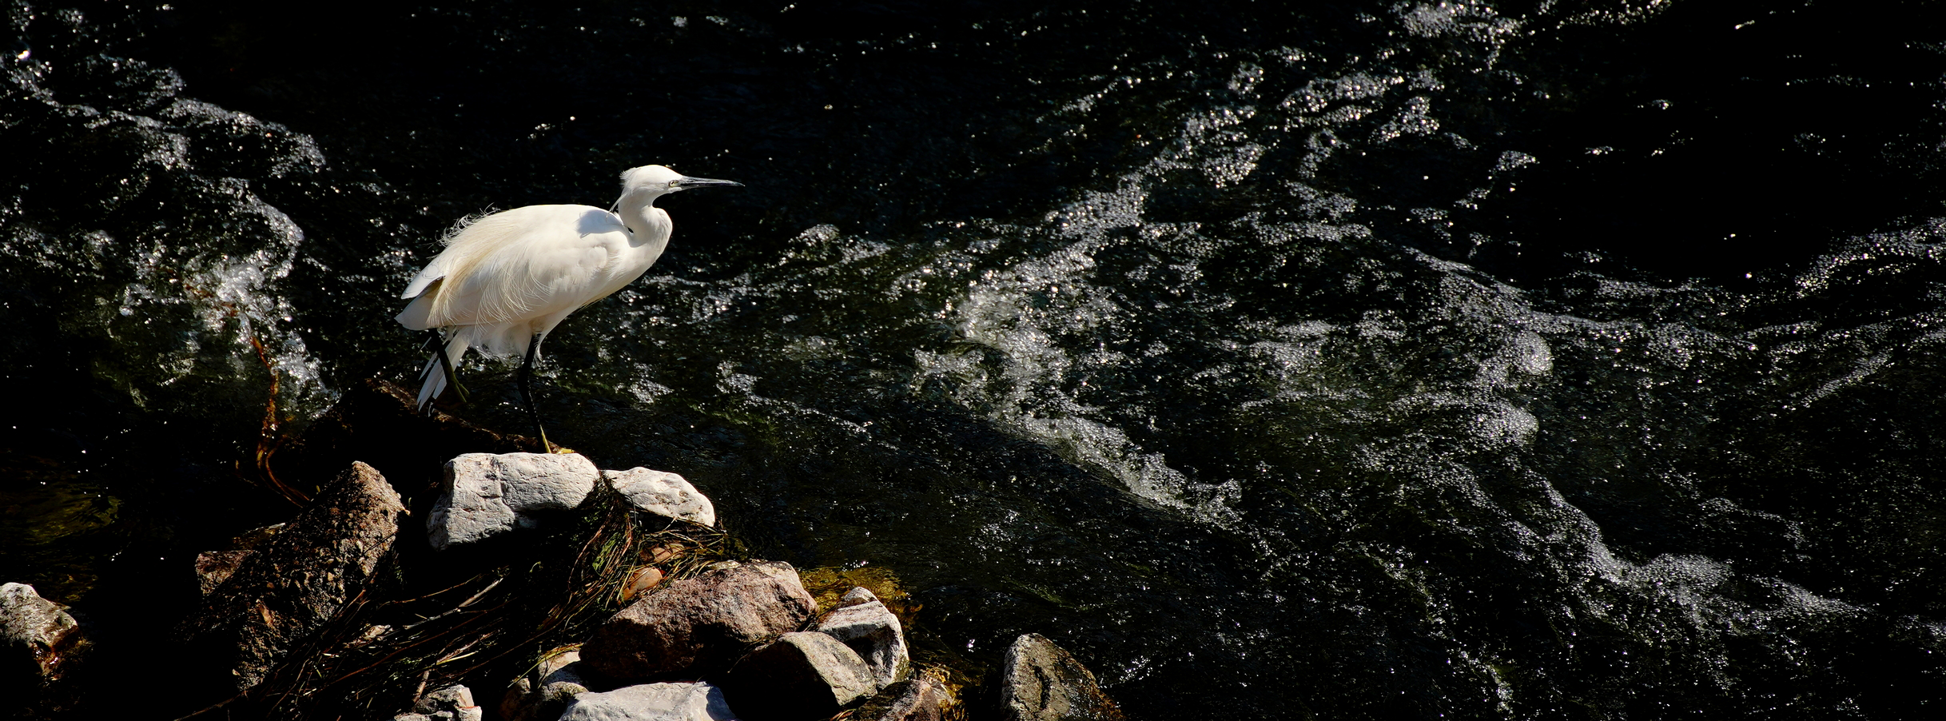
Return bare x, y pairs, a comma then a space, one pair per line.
433, 380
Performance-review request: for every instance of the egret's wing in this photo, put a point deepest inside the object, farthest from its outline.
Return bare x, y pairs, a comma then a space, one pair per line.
433, 271
527, 263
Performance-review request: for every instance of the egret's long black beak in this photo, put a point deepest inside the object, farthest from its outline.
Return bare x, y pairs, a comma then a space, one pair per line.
686, 183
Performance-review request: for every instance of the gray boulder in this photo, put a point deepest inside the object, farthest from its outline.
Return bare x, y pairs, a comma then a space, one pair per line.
1041, 682
863, 623
297, 580
488, 494
663, 494
652, 702
36, 633
802, 676
545, 691
697, 626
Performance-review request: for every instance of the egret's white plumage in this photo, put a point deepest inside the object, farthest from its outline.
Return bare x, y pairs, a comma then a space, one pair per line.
506, 279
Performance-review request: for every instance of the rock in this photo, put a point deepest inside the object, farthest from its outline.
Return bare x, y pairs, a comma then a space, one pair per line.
37, 635
487, 494
652, 702
1041, 682
641, 580
663, 494
298, 579
924, 698
864, 624
451, 703
215, 567
696, 626
801, 676
545, 691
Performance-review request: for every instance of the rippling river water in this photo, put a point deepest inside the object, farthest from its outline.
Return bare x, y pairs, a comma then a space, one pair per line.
1374, 360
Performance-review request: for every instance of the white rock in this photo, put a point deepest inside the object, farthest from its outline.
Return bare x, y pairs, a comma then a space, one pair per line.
664, 494
652, 702
865, 625
487, 494
32, 630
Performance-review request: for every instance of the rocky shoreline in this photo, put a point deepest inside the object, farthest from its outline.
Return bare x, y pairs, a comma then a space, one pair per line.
459, 574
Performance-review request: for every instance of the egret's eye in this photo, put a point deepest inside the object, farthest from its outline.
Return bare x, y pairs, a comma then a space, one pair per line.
675, 184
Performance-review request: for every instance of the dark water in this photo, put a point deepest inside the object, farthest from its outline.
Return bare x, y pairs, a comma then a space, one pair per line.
1390, 360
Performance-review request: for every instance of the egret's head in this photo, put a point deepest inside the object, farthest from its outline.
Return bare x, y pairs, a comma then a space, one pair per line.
657, 180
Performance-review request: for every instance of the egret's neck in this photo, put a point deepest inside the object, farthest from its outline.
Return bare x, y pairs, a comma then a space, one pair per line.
637, 211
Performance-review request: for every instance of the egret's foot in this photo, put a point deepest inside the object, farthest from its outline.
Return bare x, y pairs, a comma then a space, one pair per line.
548, 446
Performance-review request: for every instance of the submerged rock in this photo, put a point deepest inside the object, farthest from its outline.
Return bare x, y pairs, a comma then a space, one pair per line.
663, 494
35, 635
652, 702
864, 624
800, 677
298, 579
700, 625
545, 691
488, 494
1041, 682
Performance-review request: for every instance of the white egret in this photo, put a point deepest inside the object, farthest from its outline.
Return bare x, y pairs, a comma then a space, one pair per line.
505, 280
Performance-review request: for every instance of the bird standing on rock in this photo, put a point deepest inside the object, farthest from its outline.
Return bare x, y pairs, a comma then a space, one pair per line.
507, 279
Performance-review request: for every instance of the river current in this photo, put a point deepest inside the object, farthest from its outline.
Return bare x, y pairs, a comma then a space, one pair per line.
1382, 360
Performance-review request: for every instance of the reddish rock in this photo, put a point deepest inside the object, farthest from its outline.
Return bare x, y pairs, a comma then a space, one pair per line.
696, 626
297, 580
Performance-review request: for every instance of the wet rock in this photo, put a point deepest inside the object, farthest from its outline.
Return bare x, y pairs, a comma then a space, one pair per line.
799, 677
297, 580
864, 624
452, 703
545, 691
699, 625
488, 494
663, 494
923, 698
652, 702
377, 422
36, 633
1041, 682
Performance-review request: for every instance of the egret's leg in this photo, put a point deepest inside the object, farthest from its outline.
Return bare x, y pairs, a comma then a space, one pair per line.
441, 347
527, 390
